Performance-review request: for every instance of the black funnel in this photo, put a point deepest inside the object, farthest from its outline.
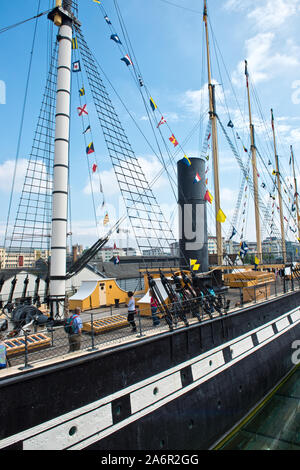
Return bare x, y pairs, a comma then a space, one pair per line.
193, 238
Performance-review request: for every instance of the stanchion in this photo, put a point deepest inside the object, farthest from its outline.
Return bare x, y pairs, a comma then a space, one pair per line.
140, 324
93, 348
26, 364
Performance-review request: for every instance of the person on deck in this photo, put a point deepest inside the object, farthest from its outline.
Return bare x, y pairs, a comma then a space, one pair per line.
154, 306
3, 354
75, 336
131, 311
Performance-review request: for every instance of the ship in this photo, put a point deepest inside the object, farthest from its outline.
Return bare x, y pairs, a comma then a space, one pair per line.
186, 385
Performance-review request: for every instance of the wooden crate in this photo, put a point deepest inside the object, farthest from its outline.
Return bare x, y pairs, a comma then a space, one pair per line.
16, 346
106, 324
257, 293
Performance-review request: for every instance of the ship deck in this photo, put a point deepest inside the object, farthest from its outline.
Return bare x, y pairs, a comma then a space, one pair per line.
120, 335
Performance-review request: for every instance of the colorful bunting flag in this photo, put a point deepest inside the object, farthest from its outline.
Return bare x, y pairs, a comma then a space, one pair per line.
197, 178
82, 91
209, 136
208, 197
162, 121
82, 110
90, 148
173, 140
141, 81
74, 43
195, 266
127, 60
94, 168
153, 104
97, 1
234, 232
117, 260
230, 124
88, 129
106, 219
76, 66
187, 161
107, 20
272, 119
115, 38
246, 73
244, 249
221, 217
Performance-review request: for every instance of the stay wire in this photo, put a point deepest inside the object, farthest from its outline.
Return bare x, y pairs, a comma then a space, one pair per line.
22, 122
7, 28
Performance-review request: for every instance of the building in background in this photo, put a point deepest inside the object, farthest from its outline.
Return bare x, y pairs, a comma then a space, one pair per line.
27, 258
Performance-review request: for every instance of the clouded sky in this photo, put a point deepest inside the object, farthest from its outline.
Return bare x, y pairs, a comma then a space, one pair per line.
168, 43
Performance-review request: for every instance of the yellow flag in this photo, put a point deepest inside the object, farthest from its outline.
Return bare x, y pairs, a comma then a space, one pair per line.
106, 219
221, 217
256, 261
194, 265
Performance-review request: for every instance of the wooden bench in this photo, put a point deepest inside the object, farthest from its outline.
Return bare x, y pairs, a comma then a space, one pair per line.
106, 324
35, 342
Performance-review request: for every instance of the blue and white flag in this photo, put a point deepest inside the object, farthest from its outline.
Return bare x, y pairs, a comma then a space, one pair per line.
115, 38
234, 232
76, 66
244, 249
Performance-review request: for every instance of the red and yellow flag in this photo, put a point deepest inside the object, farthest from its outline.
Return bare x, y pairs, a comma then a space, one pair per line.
173, 140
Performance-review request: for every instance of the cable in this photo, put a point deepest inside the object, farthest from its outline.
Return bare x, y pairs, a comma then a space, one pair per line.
22, 122
183, 8
7, 28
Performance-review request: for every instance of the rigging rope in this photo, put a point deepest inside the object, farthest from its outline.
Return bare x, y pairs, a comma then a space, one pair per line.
22, 120
7, 28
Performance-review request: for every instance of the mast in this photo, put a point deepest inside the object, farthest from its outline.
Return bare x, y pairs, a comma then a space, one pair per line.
254, 167
213, 118
279, 191
62, 17
296, 192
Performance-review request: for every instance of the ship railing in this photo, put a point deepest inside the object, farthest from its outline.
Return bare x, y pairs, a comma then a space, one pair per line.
105, 329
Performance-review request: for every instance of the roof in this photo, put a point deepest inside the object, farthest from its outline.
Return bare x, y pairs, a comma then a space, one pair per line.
117, 271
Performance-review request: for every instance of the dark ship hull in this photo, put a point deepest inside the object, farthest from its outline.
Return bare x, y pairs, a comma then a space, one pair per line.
175, 391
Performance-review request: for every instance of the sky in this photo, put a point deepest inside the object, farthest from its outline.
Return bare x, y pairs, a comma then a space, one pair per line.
169, 47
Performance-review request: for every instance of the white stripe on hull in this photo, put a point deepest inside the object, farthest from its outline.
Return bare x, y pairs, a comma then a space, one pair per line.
94, 422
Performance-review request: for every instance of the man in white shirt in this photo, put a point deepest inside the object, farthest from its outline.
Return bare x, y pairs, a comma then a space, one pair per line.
131, 311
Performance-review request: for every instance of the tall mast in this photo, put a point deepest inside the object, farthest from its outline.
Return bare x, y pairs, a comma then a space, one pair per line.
279, 190
62, 17
254, 167
296, 192
213, 118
